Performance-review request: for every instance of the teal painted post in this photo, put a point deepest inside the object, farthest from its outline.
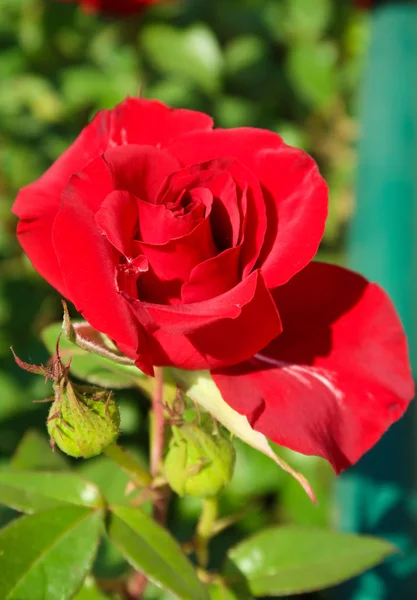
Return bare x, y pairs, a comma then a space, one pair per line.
377, 496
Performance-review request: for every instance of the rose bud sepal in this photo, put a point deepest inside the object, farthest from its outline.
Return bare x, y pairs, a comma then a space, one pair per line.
83, 421
199, 461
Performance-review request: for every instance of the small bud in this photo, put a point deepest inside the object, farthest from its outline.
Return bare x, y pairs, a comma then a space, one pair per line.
200, 461
82, 421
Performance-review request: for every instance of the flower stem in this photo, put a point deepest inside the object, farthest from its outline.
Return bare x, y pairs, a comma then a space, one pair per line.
138, 582
157, 422
205, 528
157, 437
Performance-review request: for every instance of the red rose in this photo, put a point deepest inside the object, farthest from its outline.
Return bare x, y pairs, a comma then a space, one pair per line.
369, 3
116, 7
192, 246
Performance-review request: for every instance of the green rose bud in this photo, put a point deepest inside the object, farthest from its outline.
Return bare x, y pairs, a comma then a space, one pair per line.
200, 461
83, 421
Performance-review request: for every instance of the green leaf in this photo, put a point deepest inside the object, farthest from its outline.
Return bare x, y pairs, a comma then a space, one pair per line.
232, 112
108, 476
244, 52
295, 507
36, 491
193, 53
34, 452
150, 549
290, 560
307, 19
256, 474
48, 555
91, 367
312, 69
291, 21
90, 591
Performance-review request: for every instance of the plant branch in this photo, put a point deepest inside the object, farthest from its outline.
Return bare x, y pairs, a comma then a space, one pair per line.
160, 505
157, 422
138, 582
205, 529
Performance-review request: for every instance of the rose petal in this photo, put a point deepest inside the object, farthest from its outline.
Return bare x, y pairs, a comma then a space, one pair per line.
148, 122
90, 186
172, 263
216, 330
37, 204
88, 263
142, 121
214, 176
117, 217
225, 216
113, 7
250, 226
295, 195
250, 213
35, 239
128, 274
213, 277
337, 377
297, 199
139, 170
158, 225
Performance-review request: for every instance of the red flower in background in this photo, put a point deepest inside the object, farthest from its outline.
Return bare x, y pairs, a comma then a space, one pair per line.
368, 3
192, 246
116, 7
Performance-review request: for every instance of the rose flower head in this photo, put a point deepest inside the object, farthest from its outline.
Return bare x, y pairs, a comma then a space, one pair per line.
192, 247
114, 7
370, 3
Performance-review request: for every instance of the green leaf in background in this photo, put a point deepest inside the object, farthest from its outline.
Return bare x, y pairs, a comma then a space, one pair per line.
46, 556
291, 21
108, 476
256, 474
35, 453
90, 367
192, 53
283, 561
90, 591
232, 111
150, 549
244, 52
31, 492
307, 19
312, 69
293, 507
82, 86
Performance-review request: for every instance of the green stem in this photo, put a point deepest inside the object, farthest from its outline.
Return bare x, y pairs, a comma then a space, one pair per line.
205, 528
138, 475
157, 422
138, 582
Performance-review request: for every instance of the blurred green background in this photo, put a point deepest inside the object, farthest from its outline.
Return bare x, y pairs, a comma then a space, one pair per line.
292, 66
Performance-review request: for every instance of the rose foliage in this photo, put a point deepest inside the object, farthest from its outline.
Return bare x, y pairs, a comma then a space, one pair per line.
191, 247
